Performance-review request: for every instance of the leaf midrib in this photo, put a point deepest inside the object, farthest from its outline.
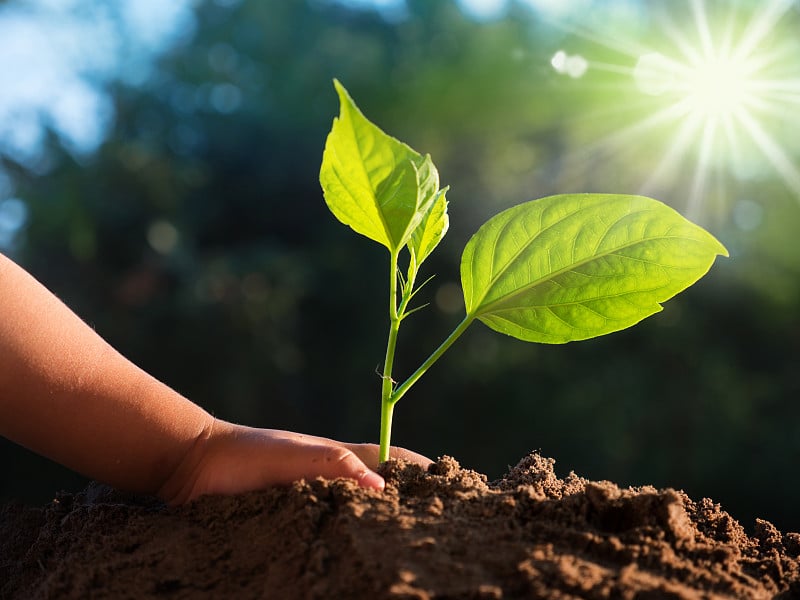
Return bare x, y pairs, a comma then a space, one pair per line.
525, 246
498, 311
378, 205
489, 307
362, 166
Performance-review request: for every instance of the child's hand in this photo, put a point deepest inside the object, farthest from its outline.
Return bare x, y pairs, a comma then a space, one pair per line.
67, 394
233, 458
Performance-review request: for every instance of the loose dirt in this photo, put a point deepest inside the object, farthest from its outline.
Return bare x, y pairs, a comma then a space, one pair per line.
446, 533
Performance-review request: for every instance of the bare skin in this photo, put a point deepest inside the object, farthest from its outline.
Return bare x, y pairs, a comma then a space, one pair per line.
67, 394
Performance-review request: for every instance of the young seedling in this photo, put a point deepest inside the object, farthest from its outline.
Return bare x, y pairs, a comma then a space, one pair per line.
554, 270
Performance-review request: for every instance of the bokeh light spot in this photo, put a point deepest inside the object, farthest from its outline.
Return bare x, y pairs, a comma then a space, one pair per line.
162, 236
747, 215
225, 98
449, 298
483, 10
573, 65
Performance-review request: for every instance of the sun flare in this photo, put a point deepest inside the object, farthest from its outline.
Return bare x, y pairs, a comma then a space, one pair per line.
717, 87
724, 93
709, 87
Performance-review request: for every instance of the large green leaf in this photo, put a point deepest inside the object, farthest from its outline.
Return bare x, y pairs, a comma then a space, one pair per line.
572, 267
372, 182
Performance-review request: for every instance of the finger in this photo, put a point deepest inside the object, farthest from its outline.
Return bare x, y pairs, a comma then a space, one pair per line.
403, 454
369, 453
340, 461
327, 460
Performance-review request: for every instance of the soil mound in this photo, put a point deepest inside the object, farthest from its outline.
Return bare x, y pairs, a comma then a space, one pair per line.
445, 533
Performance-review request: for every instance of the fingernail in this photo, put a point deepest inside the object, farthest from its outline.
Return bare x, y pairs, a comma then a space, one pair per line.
370, 479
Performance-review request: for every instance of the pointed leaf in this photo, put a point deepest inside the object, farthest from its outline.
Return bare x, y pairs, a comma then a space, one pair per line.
431, 230
572, 267
372, 182
427, 192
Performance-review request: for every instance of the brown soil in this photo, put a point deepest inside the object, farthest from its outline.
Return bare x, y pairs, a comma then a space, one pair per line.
446, 533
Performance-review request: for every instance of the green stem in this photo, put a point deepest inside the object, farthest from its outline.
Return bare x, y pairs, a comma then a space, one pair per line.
404, 387
387, 406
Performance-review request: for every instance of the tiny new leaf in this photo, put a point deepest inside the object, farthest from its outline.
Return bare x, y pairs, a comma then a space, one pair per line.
430, 231
576, 266
372, 182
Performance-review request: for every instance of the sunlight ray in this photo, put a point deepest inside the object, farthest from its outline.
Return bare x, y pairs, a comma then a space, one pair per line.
698, 187
776, 92
704, 31
612, 40
773, 152
759, 27
676, 35
674, 155
766, 60
631, 133
727, 42
610, 68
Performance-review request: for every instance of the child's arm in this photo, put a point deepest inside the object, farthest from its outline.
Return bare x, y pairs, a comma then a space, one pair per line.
66, 394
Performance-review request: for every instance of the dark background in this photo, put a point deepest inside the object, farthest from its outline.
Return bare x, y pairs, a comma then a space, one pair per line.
194, 237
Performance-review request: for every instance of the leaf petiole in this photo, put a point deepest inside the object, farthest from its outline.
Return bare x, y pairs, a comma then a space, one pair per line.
400, 391
388, 402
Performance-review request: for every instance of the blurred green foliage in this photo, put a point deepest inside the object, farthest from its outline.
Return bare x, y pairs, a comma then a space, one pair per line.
196, 241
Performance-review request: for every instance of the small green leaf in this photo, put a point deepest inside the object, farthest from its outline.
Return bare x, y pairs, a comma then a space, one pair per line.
372, 182
430, 231
573, 267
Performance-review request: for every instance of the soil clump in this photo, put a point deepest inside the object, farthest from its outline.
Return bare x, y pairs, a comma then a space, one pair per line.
442, 534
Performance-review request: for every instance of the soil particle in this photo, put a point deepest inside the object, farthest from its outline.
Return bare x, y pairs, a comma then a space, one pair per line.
445, 533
